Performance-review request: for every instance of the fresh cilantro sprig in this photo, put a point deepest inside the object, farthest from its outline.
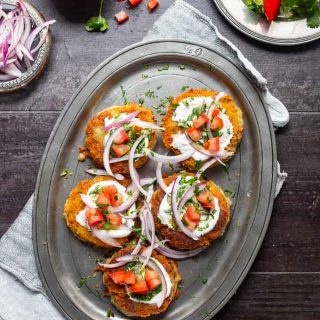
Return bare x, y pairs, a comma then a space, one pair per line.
97, 23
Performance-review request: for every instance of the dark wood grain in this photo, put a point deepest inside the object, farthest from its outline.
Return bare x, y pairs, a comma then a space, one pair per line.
285, 279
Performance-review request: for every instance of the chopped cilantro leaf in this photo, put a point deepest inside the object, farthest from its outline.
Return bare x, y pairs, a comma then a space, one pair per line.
165, 67
229, 193
149, 94
184, 88
181, 66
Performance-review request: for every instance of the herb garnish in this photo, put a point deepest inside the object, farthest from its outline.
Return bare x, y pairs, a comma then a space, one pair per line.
141, 101
229, 193
123, 94
149, 94
181, 66
109, 314
64, 172
165, 67
97, 23
84, 279
184, 88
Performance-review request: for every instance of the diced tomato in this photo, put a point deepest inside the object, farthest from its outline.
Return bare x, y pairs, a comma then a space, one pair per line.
109, 190
215, 112
140, 287
120, 150
206, 199
121, 17
192, 213
121, 137
271, 8
94, 216
153, 283
200, 121
216, 124
123, 277
103, 200
116, 199
212, 145
151, 274
114, 219
194, 134
190, 224
134, 3
152, 4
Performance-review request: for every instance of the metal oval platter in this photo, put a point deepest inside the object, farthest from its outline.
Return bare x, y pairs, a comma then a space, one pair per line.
161, 67
282, 32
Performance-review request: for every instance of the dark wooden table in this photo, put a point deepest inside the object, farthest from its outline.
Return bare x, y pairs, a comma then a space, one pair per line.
284, 282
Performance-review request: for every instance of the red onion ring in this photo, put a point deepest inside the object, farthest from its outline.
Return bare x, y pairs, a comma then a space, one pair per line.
170, 159
144, 124
96, 172
132, 170
127, 204
119, 123
104, 237
161, 183
106, 155
175, 211
112, 265
87, 201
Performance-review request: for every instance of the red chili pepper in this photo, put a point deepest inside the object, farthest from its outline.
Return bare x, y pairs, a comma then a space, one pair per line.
271, 8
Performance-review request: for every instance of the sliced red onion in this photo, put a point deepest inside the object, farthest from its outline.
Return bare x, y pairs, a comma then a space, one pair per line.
145, 181
161, 183
12, 70
129, 203
209, 113
35, 32
151, 264
170, 159
126, 158
41, 41
96, 172
179, 255
144, 124
133, 172
104, 237
120, 123
112, 265
106, 155
175, 211
190, 193
6, 77
23, 51
88, 201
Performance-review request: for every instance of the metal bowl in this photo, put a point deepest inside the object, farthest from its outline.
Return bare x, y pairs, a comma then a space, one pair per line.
42, 57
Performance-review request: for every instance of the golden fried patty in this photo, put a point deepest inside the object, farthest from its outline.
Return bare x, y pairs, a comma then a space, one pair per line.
95, 135
177, 239
119, 295
74, 205
172, 128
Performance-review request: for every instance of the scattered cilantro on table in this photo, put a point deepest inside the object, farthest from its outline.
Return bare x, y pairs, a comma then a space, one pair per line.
97, 23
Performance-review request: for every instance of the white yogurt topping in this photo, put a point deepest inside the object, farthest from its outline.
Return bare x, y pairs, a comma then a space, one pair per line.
207, 221
183, 113
157, 297
116, 233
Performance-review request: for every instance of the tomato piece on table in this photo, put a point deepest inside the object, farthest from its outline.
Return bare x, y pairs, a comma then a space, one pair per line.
120, 150
114, 219
121, 138
200, 121
152, 4
140, 287
94, 216
271, 8
103, 200
216, 124
121, 17
134, 3
212, 145
206, 199
116, 199
194, 134
192, 213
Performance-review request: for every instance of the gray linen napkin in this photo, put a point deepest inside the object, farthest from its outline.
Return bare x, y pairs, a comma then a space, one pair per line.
21, 292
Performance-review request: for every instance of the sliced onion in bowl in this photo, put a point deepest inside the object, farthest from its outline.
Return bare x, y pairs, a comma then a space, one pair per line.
175, 211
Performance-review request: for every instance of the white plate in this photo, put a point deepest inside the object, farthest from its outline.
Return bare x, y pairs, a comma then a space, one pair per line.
281, 32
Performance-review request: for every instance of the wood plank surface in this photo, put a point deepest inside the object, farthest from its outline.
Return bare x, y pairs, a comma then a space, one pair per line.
284, 282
